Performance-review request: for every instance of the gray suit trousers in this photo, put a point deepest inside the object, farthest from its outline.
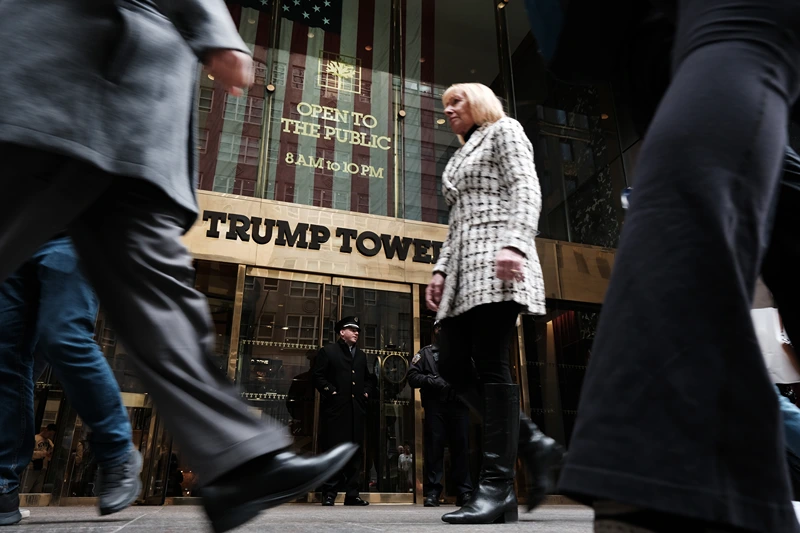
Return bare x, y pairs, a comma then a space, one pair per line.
127, 233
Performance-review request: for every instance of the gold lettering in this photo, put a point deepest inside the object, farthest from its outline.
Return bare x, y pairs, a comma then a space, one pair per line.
372, 119
305, 106
341, 115
375, 173
286, 122
386, 140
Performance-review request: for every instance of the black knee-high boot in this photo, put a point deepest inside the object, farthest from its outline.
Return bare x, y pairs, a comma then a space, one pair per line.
494, 501
541, 455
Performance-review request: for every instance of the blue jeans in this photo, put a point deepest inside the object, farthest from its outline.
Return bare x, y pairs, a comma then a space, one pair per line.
791, 424
48, 307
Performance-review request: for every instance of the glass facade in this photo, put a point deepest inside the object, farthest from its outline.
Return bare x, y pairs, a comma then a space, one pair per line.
347, 113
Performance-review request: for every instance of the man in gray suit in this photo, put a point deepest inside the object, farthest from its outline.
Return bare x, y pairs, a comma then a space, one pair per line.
96, 135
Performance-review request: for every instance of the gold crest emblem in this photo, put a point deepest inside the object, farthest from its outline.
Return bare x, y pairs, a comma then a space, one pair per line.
340, 73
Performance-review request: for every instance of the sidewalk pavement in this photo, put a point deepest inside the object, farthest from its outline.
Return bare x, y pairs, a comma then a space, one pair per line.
295, 518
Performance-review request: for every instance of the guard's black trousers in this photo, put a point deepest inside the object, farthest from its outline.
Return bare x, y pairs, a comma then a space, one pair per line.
446, 424
348, 479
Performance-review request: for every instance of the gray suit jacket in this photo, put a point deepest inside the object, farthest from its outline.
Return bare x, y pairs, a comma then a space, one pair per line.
111, 82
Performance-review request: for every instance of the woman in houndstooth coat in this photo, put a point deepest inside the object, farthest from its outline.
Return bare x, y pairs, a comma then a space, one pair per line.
488, 273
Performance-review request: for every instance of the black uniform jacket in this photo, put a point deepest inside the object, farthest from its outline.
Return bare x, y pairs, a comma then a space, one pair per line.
336, 370
423, 374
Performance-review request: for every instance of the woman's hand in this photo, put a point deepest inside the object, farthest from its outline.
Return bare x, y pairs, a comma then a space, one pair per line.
509, 265
433, 293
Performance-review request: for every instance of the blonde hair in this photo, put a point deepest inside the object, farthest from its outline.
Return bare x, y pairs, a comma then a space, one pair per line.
483, 103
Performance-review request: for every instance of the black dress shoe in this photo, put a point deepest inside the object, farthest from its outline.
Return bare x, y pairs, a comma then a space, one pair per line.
119, 486
463, 499
431, 500
328, 500
355, 501
268, 481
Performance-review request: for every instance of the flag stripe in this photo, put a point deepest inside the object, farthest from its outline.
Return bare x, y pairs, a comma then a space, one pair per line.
360, 185
214, 121
280, 67
285, 176
246, 174
307, 146
412, 191
381, 105
429, 200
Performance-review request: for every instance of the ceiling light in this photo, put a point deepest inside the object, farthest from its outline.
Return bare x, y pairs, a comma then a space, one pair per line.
368, 48
310, 35
421, 59
211, 77
604, 116
440, 121
285, 328
472, 71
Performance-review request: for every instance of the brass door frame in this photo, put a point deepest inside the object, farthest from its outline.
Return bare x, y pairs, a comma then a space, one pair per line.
333, 281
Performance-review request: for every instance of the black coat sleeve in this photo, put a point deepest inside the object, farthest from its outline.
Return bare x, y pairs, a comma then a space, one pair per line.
420, 376
321, 382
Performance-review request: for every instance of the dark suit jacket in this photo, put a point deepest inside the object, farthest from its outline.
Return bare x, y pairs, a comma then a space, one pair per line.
111, 82
336, 370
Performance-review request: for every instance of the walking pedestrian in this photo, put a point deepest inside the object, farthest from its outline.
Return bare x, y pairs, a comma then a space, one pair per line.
488, 273
48, 309
110, 156
665, 440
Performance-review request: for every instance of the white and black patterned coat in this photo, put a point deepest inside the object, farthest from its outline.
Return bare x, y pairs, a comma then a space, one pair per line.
491, 187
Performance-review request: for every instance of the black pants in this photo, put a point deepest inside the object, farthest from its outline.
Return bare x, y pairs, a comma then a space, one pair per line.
347, 480
677, 413
481, 336
446, 424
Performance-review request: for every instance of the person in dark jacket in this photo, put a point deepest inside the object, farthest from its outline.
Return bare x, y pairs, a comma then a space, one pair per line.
343, 379
446, 420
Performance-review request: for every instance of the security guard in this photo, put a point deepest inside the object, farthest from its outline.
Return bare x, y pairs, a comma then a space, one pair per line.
446, 419
342, 377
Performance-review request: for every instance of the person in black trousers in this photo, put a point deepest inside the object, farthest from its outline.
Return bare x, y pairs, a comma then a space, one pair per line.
343, 379
678, 426
446, 421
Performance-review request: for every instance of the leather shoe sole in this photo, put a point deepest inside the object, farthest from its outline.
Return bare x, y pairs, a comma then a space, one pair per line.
225, 515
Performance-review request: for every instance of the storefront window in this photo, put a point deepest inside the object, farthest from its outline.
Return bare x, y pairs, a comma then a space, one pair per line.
557, 349
573, 129
439, 48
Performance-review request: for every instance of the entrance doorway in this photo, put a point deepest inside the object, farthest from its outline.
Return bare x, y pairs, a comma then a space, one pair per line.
286, 318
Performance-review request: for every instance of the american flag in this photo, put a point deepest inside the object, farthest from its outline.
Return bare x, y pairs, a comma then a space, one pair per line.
233, 146
325, 14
